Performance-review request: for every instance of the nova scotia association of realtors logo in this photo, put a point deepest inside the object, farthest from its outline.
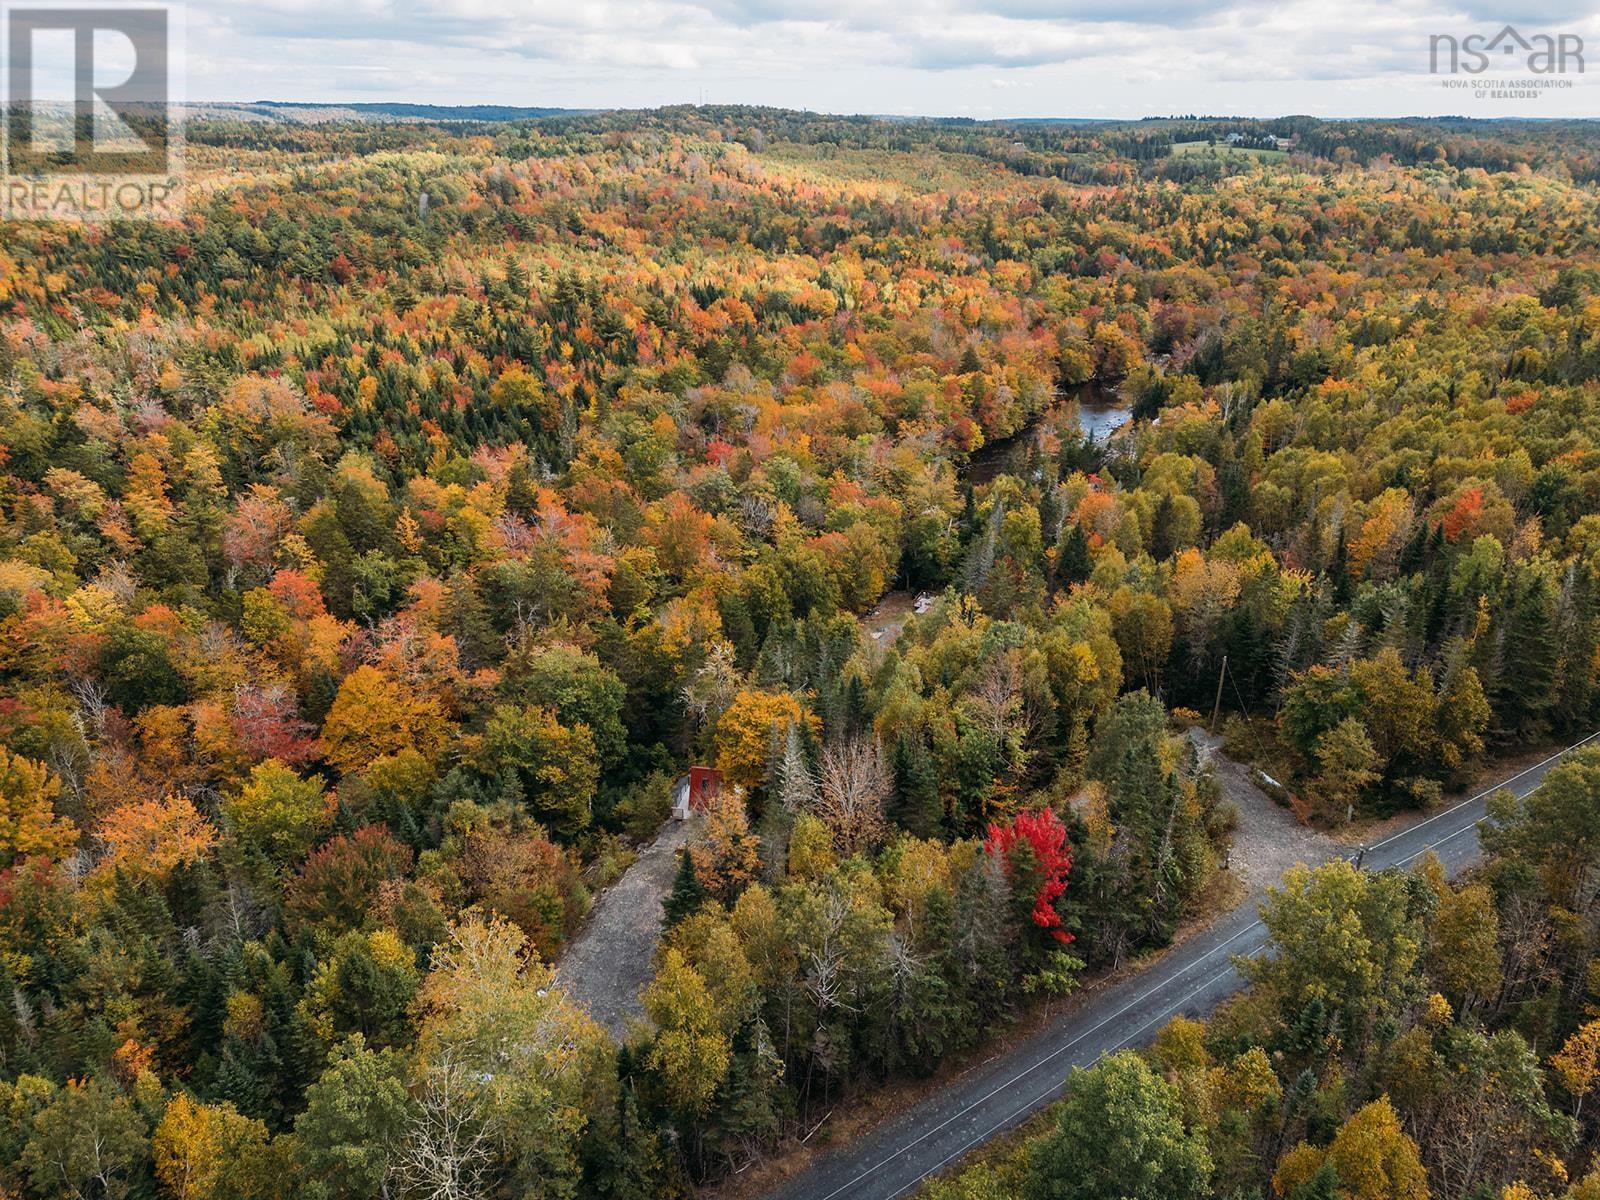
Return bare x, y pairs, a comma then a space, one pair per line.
90, 130
1509, 65
1508, 50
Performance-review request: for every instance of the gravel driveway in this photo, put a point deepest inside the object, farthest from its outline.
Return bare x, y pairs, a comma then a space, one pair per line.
1269, 840
611, 960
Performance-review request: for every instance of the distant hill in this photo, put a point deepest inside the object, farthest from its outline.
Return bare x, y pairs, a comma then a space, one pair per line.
310, 112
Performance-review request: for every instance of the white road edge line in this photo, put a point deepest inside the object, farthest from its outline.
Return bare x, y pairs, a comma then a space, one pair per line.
1057, 1052
1171, 979
993, 1129
1505, 783
989, 1133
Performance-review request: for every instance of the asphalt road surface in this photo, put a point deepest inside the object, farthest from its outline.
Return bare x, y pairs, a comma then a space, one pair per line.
1192, 979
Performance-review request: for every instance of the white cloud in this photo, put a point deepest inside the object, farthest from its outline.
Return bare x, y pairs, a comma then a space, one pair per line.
1047, 57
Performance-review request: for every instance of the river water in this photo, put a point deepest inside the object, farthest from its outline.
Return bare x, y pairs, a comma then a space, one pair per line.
1097, 412
1099, 419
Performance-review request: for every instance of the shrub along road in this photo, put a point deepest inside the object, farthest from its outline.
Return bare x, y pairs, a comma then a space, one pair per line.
1192, 979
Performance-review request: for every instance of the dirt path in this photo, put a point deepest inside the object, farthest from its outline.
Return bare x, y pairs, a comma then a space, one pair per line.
1269, 840
611, 960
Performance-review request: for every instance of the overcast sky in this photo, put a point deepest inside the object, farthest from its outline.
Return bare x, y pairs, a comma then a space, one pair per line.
979, 58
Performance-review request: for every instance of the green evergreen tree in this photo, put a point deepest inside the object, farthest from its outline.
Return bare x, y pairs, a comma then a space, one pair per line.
1161, 534
915, 805
1324, 1185
1074, 564
687, 894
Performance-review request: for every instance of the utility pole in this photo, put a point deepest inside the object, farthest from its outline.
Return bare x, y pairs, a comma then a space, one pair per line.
1217, 707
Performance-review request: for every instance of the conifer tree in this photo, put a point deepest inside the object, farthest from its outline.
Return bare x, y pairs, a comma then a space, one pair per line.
687, 894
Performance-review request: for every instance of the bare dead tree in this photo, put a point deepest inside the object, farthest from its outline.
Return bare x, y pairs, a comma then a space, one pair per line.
92, 705
1000, 693
453, 1142
711, 689
825, 961
856, 781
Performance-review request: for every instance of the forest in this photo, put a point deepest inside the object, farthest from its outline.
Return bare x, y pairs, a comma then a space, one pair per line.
379, 543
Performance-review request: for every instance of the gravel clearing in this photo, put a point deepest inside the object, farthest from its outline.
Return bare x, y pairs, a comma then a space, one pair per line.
613, 957
1269, 840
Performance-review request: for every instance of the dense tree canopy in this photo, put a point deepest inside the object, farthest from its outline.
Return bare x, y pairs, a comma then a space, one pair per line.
379, 542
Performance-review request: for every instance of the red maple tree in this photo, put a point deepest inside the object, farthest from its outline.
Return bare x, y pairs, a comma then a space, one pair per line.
1046, 837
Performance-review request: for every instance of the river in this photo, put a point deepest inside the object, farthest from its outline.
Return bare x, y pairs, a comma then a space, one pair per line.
1099, 418
1097, 411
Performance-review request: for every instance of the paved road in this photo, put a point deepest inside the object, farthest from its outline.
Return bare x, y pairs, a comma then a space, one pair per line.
1193, 979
